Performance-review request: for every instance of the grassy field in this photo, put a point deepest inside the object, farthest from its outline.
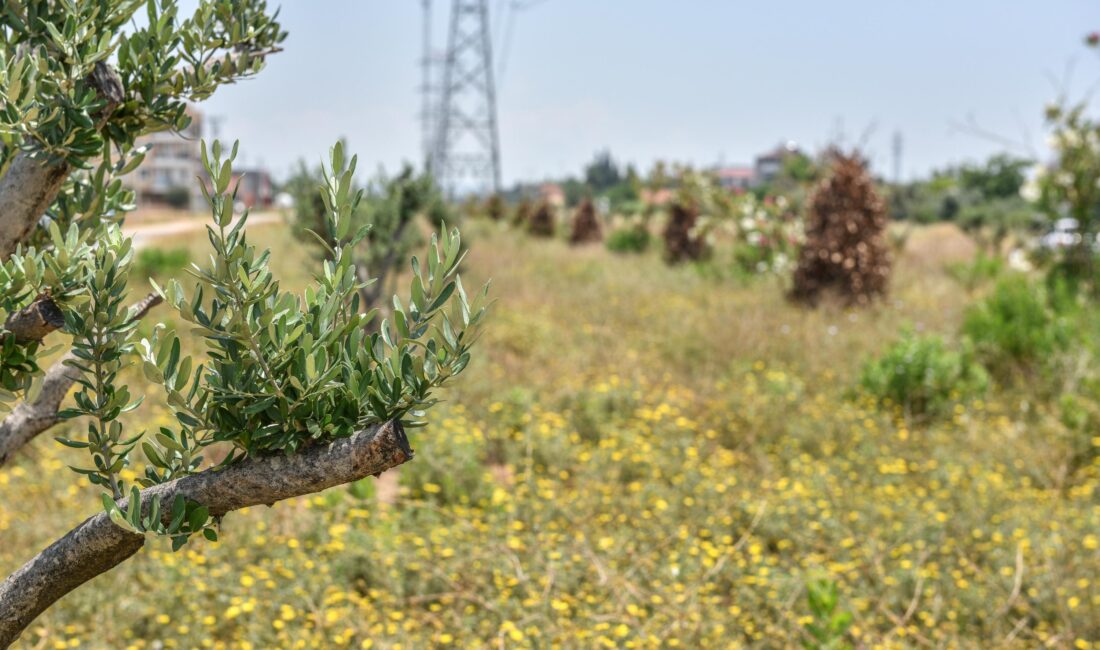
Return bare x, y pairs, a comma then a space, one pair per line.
638, 457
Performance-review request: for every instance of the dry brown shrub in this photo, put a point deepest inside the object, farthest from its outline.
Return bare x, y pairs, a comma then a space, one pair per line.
682, 244
541, 223
586, 228
494, 207
846, 252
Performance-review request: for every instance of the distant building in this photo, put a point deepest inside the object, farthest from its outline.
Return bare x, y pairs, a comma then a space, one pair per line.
167, 176
254, 188
552, 194
657, 198
736, 179
769, 164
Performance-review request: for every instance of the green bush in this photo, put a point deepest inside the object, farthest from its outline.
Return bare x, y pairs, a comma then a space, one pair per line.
631, 239
157, 262
1016, 328
923, 376
178, 197
977, 272
1079, 416
1068, 274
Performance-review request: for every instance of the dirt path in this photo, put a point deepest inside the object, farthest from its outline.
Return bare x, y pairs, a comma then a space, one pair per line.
145, 233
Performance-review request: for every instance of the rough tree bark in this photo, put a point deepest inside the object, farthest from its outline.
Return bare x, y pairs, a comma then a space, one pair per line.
36, 320
25, 192
98, 545
29, 419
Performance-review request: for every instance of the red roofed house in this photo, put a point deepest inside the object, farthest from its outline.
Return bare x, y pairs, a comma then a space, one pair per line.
736, 179
255, 188
657, 198
552, 194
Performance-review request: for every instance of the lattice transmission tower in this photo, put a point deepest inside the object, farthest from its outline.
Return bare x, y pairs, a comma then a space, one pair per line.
462, 141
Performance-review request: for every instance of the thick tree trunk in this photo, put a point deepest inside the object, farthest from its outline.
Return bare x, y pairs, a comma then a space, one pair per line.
29, 419
25, 192
98, 545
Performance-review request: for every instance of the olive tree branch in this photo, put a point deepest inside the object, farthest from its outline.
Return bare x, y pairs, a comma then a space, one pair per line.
98, 545
29, 419
32, 182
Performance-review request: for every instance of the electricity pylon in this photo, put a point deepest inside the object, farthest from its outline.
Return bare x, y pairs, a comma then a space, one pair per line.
465, 152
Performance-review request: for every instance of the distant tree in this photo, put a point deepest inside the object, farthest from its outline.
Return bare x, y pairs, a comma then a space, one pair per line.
625, 193
800, 168
990, 222
626, 197
1001, 177
965, 194
633, 177
602, 173
845, 250
574, 191
903, 201
634, 180
389, 207
950, 206
659, 176
939, 196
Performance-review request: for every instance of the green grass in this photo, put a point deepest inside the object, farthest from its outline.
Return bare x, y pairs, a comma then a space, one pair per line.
642, 457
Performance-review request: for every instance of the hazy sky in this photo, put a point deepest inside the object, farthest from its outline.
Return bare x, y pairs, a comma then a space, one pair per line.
701, 81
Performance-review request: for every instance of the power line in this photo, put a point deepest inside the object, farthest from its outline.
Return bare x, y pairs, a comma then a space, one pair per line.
427, 111
502, 7
467, 145
505, 45
897, 151
458, 107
